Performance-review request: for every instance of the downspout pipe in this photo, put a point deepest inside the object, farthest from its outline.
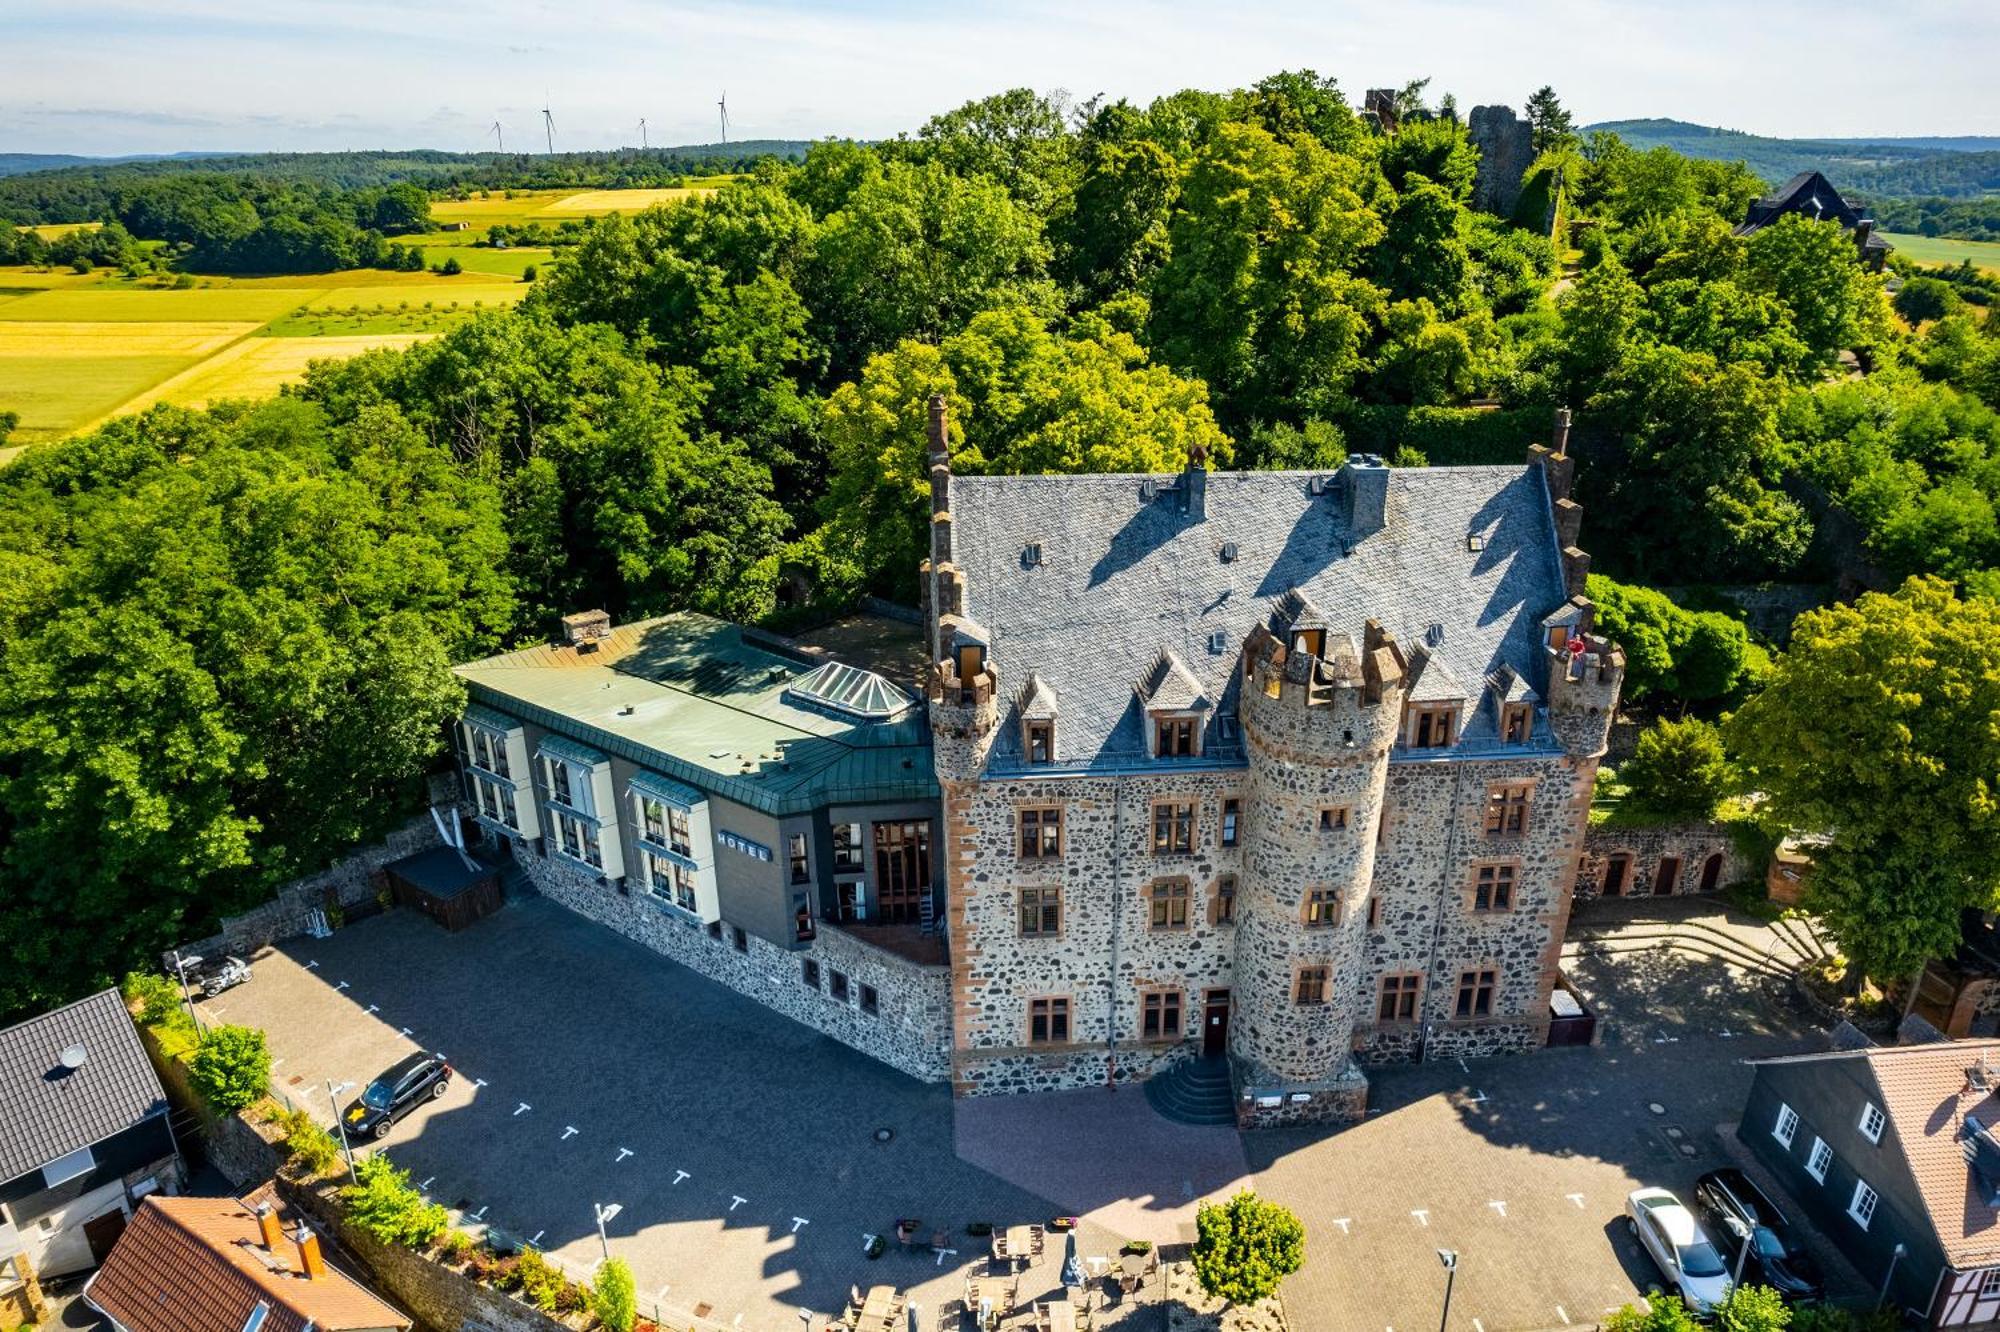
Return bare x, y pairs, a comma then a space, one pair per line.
1117, 933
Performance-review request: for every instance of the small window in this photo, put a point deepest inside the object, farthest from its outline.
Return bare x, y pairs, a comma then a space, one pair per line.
871, 1002
1232, 814
1031, 555
1398, 1001
1862, 1206
1322, 907
65, 1168
1333, 818
1169, 904
836, 985
1475, 992
809, 973
1517, 723
1048, 1021
1174, 737
1173, 829
1041, 834
1507, 809
1041, 742
715, 930
1432, 726
798, 855
1871, 1122
1309, 986
1558, 636
738, 939
847, 848
255, 1322
1787, 1126
1041, 913
1820, 1158
1160, 1015
1222, 908
1989, 1283
1374, 912
1493, 887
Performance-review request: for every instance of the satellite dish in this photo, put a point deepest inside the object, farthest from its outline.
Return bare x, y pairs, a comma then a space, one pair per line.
74, 1056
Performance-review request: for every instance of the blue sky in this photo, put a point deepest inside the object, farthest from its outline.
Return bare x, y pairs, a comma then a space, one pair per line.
162, 75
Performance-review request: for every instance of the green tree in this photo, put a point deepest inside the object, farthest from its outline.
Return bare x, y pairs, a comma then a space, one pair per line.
1924, 298
1678, 770
1017, 138
1876, 729
614, 1296
1661, 1314
231, 1068
1751, 1308
1245, 1247
384, 1204
1812, 267
1550, 124
1437, 151
1692, 656
1114, 236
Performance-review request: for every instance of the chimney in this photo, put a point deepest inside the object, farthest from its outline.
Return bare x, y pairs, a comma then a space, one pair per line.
1559, 436
586, 629
267, 1226
1366, 480
310, 1260
1194, 484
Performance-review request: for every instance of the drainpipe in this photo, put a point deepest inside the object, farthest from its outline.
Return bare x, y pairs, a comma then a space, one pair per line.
1444, 895
1117, 930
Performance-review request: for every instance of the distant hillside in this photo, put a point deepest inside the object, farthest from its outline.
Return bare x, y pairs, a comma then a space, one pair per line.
1962, 167
15, 164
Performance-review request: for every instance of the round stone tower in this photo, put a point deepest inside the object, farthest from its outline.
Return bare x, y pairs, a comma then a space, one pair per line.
1318, 723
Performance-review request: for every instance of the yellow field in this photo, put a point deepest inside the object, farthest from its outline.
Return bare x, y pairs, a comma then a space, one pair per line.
58, 339
1943, 250
57, 230
258, 367
442, 295
92, 304
548, 207
615, 201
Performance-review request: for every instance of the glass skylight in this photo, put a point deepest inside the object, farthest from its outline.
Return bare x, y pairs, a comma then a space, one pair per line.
849, 691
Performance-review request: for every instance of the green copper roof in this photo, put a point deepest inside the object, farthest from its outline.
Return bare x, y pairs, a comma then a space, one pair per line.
689, 697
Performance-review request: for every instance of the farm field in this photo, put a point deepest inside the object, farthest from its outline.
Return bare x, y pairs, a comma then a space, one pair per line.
1942, 250
79, 348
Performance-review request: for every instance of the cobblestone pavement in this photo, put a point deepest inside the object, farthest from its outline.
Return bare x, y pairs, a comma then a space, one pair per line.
740, 1147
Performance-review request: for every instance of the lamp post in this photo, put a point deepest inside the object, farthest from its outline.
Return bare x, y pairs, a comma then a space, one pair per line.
1449, 1257
604, 1212
340, 1126
181, 975
1890, 1275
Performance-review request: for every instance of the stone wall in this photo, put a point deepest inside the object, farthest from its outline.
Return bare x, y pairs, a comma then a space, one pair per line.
350, 884
1694, 844
1506, 147
1341, 1101
910, 1029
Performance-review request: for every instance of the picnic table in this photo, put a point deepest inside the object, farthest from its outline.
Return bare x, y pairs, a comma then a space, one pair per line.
1058, 1317
1132, 1270
1017, 1244
880, 1309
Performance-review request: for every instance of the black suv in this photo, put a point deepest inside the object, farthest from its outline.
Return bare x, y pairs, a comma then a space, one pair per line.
1735, 1212
396, 1093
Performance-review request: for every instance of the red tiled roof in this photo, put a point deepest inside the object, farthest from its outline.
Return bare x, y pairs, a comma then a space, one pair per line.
1926, 1095
199, 1265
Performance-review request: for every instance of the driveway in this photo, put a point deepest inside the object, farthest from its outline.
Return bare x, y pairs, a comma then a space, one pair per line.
742, 1149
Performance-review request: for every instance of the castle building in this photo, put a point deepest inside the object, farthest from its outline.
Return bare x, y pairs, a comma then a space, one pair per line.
1292, 767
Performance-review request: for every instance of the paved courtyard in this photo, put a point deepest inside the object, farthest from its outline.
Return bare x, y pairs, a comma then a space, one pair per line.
742, 1152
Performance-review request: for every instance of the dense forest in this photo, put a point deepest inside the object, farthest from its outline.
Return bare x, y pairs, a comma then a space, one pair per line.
225, 634
1960, 168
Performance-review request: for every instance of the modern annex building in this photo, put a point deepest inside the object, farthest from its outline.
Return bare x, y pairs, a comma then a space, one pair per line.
1293, 767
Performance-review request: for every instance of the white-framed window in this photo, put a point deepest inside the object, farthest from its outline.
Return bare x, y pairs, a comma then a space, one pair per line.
1872, 1120
664, 823
65, 1168
565, 787
1989, 1283
1862, 1208
1787, 1125
576, 837
668, 880
1819, 1160
494, 800
487, 749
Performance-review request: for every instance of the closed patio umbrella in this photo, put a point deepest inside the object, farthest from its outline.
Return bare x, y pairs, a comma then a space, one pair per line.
1072, 1269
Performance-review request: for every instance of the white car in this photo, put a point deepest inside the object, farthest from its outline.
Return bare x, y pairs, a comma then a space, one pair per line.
1678, 1244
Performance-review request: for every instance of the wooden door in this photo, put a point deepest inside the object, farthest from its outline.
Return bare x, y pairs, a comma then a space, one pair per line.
1215, 1024
1669, 875
1614, 875
1711, 873
102, 1232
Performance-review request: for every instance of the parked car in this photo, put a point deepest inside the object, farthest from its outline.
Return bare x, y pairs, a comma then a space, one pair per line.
1677, 1244
1736, 1213
403, 1086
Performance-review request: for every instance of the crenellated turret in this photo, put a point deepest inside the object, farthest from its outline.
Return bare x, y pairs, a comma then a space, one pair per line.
1585, 674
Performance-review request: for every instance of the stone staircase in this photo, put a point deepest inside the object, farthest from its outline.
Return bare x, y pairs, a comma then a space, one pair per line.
1794, 942
1194, 1091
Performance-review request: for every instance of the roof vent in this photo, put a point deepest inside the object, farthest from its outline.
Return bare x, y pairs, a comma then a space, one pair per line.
1031, 556
1434, 636
1229, 552
1218, 642
1149, 490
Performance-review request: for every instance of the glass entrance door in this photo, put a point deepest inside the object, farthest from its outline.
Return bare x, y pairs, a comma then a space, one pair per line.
902, 870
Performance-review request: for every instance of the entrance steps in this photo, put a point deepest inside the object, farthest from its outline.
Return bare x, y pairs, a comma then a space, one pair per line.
1194, 1091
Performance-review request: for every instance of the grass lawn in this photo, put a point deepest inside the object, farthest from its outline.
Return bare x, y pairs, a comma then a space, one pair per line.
1942, 250
482, 263
57, 230
257, 367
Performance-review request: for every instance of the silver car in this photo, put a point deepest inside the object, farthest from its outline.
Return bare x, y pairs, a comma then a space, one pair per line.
1677, 1243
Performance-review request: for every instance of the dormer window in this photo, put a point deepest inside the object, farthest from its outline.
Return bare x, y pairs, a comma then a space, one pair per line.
1175, 737
1037, 705
1432, 726
1517, 722
1041, 742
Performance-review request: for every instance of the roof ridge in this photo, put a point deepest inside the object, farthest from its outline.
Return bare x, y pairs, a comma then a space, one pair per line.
111, 990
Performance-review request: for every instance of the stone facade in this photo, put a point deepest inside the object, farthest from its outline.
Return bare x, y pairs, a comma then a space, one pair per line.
909, 1028
1630, 862
1506, 147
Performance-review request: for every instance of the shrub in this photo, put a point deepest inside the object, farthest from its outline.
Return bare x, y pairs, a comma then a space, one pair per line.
1137, 1247
158, 1002
539, 1280
309, 1144
1752, 1309
387, 1206
451, 267
1678, 770
231, 1068
614, 1297
1665, 1315
1246, 1247
1925, 298
456, 1246
1691, 655
528, 273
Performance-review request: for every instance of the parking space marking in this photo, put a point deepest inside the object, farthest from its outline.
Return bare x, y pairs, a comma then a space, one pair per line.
1422, 1214
522, 1109
569, 1131
680, 1175
1562, 1315
427, 1183
479, 1082
402, 1031
623, 1152
798, 1221
1478, 1326
371, 1010
312, 965
1342, 1222
736, 1201
867, 1241
341, 986
479, 1215
941, 1255
1576, 1198
538, 1237
276, 1062
1499, 1206
1477, 1098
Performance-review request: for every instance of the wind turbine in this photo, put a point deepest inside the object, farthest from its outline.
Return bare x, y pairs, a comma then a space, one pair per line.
499, 139
723, 106
549, 124
642, 134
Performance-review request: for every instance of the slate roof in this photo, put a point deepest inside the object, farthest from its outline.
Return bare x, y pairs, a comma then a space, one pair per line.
51, 1110
1122, 578
1924, 1092
1809, 194
199, 1265
697, 700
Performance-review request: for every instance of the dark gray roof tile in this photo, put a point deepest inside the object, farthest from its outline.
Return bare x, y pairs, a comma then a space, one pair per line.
53, 1110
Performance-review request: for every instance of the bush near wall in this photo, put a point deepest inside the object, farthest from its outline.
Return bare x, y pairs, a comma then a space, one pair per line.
1448, 436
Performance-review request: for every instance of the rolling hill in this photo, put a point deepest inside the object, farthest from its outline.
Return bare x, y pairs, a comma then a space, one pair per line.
1950, 167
